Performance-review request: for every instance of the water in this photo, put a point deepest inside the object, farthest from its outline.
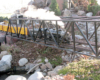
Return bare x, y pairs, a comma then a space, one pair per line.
5, 75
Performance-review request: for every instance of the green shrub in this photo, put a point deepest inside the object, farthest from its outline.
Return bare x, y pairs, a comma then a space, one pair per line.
56, 61
54, 7
3, 18
65, 4
83, 70
94, 9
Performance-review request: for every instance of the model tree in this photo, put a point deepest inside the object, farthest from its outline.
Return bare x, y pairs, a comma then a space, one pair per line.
54, 7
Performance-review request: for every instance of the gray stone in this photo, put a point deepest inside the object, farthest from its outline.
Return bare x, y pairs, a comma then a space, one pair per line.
7, 59
45, 70
89, 14
2, 38
66, 58
44, 74
52, 73
3, 53
57, 68
46, 60
22, 61
29, 66
15, 77
33, 68
67, 13
4, 66
38, 70
78, 37
48, 65
43, 67
39, 61
81, 13
36, 76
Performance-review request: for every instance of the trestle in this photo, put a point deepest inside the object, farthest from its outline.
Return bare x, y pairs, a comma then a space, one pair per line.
50, 33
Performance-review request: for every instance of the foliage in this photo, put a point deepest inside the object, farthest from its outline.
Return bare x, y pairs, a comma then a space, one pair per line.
93, 2
94, 9
83, 70
56, 61
54, 7
3, 18
65, 4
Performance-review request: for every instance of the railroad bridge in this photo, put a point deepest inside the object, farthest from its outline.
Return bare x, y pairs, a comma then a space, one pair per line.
43, 34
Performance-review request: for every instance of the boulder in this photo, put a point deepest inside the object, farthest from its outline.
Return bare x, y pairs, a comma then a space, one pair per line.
67, 13
57, 68
48, 65
47, 8
15, 77
22, 61
52, 73
78, 37
29, 66
81, 13
4, 66
46, 60
3, 53
39, 3
7, 59
43, 67
89, 14
2, 38
36, 76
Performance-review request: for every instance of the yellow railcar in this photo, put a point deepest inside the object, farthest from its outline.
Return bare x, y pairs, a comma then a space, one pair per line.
14, 29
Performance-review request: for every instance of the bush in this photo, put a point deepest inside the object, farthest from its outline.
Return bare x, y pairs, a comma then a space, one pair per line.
54, 7
94, 9
3, 18
65, 4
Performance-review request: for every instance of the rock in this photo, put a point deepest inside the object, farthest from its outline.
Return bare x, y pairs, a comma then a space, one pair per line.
69, 51
38, 70
81, 13
36, 76
78, 37
52, 73
46, 60
44, 74
33, 68
63, 54
89, 14
11, 40
29, 66
2, 38
22, 61
39, 3
67, 13
39, 61
66, 58
7, 59
48, 65
3, 53
47, 8
43, 67
47, 78
45, 70
57, 68
15, 77
4, 66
